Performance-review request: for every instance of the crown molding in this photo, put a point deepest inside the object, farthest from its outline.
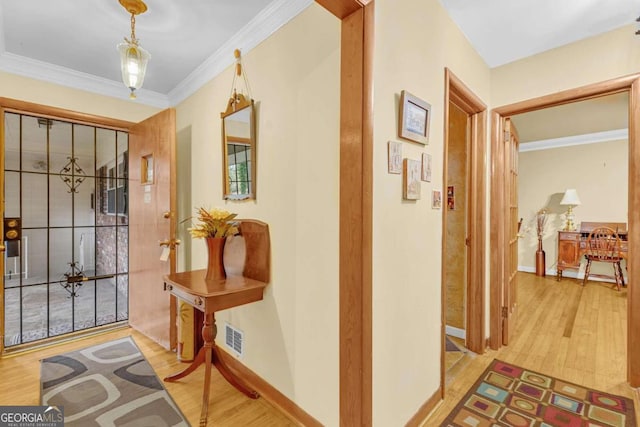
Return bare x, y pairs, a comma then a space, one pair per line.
568, 141
267, 22
39, 70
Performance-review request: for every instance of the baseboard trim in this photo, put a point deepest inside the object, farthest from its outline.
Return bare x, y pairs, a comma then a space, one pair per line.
571, 274
268, 392
455, 332
425, 410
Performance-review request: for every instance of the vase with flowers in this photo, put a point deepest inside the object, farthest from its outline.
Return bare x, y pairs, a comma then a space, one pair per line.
214, 226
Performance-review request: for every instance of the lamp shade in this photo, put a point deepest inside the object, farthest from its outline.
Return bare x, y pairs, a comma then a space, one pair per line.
570, 198
133, 64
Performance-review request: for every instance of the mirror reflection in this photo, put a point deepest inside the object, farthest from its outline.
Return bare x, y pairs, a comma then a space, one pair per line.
238, 144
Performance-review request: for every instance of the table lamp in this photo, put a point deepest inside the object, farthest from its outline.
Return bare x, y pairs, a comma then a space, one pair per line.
570, 199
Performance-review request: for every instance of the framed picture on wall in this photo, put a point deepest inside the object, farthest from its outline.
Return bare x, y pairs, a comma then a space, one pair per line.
395, 157
411, 182
451, 197
414, 117
426, 167
436, 199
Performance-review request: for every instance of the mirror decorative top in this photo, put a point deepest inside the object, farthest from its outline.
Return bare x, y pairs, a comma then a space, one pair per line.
239, 144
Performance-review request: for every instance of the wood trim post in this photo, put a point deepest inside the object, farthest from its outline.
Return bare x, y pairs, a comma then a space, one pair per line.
633, 262
356, 208
497, 257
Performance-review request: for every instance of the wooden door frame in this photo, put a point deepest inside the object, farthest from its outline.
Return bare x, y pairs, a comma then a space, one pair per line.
631, 84
458, 93
55, 113
356, 208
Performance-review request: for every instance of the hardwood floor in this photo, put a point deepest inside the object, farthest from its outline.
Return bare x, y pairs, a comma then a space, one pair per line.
227, 406
571, 332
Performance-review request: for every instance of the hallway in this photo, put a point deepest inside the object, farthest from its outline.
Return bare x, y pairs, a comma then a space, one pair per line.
565, 330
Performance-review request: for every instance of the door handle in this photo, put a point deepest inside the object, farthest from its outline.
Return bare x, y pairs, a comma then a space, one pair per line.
2, 247
171, 244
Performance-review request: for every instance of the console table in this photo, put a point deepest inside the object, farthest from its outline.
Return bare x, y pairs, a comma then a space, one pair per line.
209, 296
572, 245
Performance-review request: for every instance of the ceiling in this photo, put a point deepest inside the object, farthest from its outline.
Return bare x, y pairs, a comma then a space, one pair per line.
502, 31
73, 43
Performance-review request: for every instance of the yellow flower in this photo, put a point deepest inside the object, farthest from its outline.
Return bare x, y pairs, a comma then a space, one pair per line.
214, 223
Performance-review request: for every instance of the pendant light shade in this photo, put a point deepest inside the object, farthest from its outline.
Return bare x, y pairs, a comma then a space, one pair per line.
133, 64
133, 58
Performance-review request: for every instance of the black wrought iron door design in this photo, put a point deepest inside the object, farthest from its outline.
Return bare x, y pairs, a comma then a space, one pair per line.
66, 185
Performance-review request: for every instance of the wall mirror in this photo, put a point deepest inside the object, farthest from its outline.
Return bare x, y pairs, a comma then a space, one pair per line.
239, 149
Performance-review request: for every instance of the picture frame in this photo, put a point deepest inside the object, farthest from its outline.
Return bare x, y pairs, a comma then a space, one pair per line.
414, 118
411, 181
436, 199
426, 167
395, 157
451, 197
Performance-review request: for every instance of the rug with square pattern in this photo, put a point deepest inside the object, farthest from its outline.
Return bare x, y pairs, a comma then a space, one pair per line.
508, 395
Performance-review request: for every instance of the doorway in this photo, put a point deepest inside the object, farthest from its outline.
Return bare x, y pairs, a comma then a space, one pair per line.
65, 227
499, 206
463, 218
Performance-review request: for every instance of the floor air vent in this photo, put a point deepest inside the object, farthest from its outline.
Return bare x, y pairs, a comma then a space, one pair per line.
234, 339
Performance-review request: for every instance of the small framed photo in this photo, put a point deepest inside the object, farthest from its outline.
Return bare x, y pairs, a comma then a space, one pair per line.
426, 167
395, 157
414, 117
411, 182
436, 199
451, 197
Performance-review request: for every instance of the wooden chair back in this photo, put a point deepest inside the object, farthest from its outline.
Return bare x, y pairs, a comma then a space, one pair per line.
603, 244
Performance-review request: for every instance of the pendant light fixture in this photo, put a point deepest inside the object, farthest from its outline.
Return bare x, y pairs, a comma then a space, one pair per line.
133, 58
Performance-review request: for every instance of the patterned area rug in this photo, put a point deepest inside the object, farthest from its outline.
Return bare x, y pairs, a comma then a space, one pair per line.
507, 395
107, 384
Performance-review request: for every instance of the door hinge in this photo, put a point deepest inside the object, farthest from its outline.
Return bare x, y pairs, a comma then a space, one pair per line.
505, 312
507, 135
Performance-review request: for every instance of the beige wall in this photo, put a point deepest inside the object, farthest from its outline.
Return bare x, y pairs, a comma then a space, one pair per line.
599, 58
415, 40
39, 92
599, 173
291, 338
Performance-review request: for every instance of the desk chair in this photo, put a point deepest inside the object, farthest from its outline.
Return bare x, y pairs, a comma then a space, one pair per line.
603, 245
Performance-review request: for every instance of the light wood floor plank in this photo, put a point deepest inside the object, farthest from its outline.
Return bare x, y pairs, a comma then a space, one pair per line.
593, 355
227, 406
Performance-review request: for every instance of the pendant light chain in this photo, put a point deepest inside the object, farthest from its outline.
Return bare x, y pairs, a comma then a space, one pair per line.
133, 30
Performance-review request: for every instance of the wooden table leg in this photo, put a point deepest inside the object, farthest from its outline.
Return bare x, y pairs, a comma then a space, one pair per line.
209, 331
199, 360
209, 355
230, 377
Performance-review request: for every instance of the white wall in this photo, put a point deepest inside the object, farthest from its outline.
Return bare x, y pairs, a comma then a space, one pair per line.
415, 40
291, 338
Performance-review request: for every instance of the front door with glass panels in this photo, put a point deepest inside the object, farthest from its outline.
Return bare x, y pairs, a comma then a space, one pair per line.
66, 263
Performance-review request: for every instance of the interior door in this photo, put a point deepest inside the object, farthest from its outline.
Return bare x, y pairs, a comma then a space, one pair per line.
152, 199
510, 306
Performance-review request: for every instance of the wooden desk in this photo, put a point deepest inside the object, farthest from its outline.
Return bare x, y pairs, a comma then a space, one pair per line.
572, 245
210, 296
